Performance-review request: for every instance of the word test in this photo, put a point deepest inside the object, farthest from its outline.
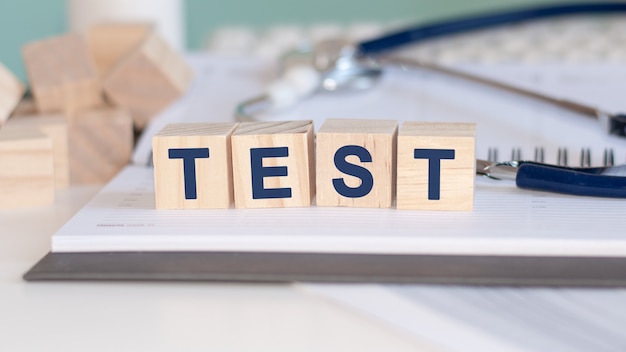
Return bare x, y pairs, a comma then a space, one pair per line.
348, 163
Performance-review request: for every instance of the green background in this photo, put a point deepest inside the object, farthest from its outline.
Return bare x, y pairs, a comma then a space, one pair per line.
26, 20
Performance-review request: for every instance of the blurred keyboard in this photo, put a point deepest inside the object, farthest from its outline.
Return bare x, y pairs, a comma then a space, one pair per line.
575, 39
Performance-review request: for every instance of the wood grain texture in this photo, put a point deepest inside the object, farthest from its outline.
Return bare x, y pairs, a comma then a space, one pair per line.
109, 43
457, 175
26, 169
11, 91
62, 74
101, 144
148, 79
54, 126
298, 137
379, 138
214, 183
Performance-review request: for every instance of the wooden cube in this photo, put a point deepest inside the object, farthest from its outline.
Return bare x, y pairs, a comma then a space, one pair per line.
111, 42
436, 166
192, 166
101, 144
273, 164
25, 107
62, 74
26, 169
54, 126
149, 79
356, 163
11, 91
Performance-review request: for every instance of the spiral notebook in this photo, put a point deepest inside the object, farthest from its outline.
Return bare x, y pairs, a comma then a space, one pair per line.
536, 237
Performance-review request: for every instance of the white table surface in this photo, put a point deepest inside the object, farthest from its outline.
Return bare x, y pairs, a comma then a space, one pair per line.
114, 316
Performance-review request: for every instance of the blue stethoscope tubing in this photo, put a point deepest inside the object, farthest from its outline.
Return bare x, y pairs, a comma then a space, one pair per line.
430, 31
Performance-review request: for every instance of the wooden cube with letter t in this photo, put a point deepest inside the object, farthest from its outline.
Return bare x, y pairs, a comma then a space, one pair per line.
192, 166
356, 163
436, 166
273, 164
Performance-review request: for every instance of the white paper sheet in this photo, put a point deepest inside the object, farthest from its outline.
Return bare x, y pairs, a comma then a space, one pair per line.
505, 221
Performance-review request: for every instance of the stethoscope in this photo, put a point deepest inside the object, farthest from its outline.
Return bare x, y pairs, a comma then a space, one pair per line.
335, 65
338, 66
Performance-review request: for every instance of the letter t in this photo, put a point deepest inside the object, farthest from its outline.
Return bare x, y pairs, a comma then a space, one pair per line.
189, 156
434, 157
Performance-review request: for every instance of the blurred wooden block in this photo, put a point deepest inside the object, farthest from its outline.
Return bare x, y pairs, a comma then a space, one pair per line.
356, 163
110, 42
11, 91
273, 164
62, 74
25, 107
192, 166
101, 143
436, 166
149, 79
26, 169
54, 126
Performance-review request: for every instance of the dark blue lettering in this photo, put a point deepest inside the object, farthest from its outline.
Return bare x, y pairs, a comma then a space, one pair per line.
434, 157
367, 180
189, 156
259, 172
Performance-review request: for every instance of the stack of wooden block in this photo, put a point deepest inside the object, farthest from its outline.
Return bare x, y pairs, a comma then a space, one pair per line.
90, 95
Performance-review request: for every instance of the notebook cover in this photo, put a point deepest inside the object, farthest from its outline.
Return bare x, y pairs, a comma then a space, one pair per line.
313, 267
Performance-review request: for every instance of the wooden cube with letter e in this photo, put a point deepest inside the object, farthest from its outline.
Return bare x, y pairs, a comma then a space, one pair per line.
356, 163
192, 166
436, 166
273, 164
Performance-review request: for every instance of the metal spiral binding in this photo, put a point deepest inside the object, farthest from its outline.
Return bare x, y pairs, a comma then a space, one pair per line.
608, 156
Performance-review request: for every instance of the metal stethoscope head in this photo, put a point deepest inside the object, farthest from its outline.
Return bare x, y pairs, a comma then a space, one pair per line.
329, 66
342, 69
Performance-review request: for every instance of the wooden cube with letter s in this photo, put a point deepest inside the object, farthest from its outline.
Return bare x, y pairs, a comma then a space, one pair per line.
356, 163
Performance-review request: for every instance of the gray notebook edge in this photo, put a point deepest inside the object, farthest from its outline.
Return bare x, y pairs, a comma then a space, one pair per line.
332, 268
